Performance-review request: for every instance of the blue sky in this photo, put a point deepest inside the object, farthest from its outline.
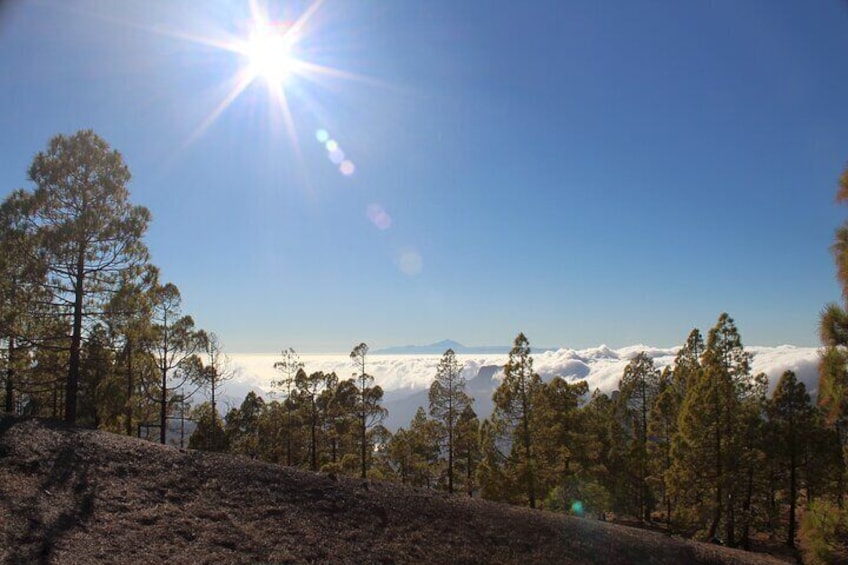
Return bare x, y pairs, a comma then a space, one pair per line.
585, 172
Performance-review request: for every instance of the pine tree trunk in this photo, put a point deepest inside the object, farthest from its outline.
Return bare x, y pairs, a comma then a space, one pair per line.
531, 479
363, 437
76, 341
718, 501
793, 495
214, 415
469, 485
450, 446
840, 481
130, 389
163, 413
10, 377
314, 440
746, 514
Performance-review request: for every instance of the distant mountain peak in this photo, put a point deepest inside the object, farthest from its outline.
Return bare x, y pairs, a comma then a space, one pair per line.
433, 348
441, 346
438, 348
447, 344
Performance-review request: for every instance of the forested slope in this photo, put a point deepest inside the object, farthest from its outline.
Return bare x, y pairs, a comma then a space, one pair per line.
71, 495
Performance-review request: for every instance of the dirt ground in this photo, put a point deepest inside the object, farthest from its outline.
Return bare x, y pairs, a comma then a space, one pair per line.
82, 496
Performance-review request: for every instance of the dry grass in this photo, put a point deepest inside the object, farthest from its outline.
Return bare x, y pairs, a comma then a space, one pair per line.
79, 496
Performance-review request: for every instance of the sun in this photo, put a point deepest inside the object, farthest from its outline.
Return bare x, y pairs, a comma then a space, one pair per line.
271, 51
270, 55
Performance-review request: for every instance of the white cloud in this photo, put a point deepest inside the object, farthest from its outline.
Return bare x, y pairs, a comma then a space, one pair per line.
602, 367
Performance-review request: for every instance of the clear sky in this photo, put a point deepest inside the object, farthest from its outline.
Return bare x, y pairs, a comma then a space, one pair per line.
586, 172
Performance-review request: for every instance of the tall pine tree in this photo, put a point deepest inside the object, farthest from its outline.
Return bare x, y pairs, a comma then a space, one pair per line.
448, 400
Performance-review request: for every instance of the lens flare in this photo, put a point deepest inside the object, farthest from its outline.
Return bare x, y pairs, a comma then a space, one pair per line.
347, 168
322, 136
379, 217
337, 156
410, 262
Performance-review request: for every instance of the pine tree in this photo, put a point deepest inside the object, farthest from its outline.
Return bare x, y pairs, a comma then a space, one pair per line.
242, 431
129, 319
708, 450
96, 408
89, 230
516, 399
494, 474
792, 416
369, 412
638, 389
309, 388
174, 344
687, 363
662, 428
213, 371
595, 455
337, 405
558, 433
833, 328
468, 447
414, 452
209, 435
448, 400
289, 367
22, 290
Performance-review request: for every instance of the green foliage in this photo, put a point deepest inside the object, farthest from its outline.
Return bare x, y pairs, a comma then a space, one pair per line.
448, 400
23, 292
467, 448
174, 343
337, 407
824, 529
516, 400
100, 394
833, 329
88, 230
580, 497
638, 390
415, 453
559, 432
243, 426
662, 428
496, 479
707, 474
369, 411
792, 417
209, 435
308, 388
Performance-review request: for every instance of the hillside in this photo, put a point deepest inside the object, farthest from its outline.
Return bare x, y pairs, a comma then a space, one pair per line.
69, 495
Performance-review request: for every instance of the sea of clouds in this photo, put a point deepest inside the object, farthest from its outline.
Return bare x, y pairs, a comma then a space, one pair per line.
405, 378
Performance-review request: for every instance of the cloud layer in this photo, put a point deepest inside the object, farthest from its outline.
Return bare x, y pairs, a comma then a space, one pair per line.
402, 376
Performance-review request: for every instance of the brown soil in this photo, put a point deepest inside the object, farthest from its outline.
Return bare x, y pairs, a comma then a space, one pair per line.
82, 496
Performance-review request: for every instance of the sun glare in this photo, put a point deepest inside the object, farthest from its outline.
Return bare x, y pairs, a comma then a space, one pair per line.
269, 55
271, 51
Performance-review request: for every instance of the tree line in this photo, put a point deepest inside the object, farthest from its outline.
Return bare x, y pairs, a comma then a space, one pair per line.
700, 447
89, 333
